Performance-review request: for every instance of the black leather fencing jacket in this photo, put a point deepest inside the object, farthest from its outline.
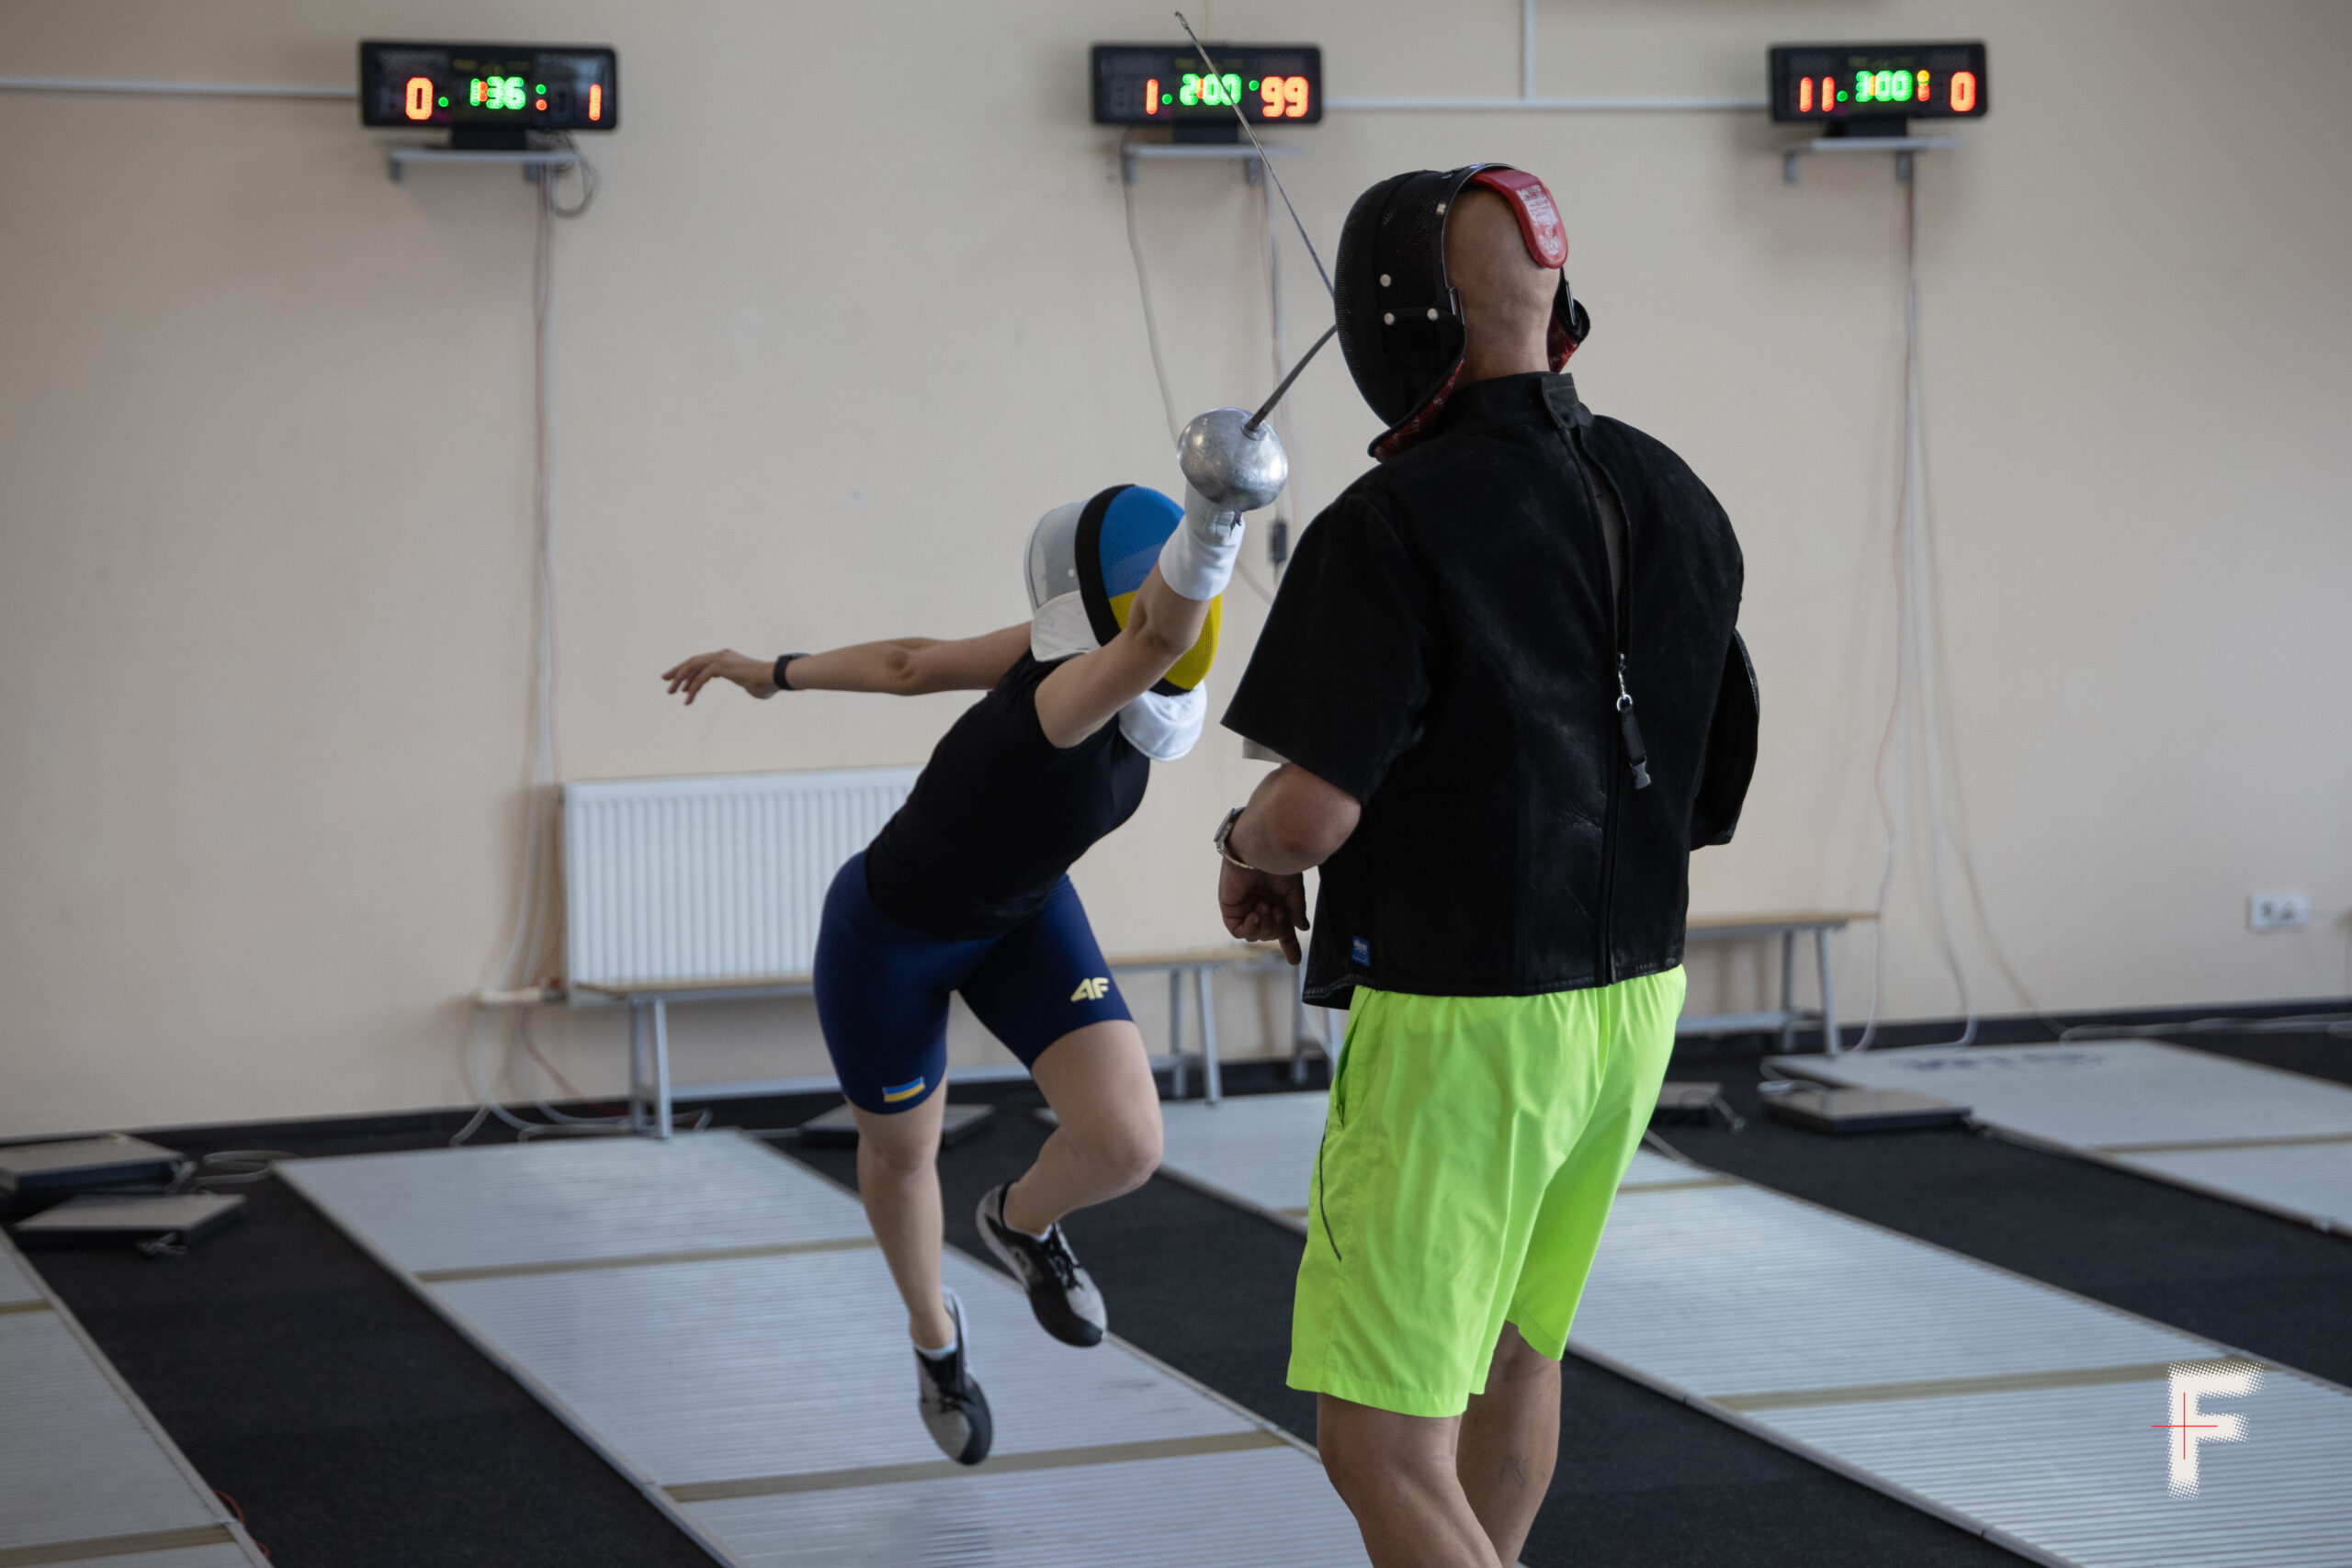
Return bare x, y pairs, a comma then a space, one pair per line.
1536, 752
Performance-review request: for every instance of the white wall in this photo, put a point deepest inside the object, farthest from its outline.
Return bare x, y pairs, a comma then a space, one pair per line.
822, 355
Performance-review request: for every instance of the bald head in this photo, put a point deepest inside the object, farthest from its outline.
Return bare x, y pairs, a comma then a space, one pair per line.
1506, 293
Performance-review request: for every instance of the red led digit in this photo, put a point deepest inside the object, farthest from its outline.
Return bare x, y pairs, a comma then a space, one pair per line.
1151, 97
1829, 93
1964, 91
1295, 94
419, 104
1270, 92
1804, 96
595, 100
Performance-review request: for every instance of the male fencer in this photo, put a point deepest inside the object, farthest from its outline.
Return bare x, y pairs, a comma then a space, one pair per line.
1503, 673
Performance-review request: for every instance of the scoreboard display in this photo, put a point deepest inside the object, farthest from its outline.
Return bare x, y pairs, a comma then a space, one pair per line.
1155, 84
1878, 82
523, 86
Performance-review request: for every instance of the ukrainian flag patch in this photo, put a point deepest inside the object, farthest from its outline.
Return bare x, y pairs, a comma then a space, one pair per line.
904, 1091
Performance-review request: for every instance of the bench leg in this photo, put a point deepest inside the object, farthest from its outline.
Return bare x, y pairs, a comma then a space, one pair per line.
1213, 1083
636, 1065
1830, 1043
1176, 1033
661, 1067
1788, 993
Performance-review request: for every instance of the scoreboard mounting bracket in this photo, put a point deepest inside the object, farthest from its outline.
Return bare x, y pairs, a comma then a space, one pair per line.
536, 162
1902, 147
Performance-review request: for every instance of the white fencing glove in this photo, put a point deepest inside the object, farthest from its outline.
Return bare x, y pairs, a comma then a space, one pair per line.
1197, 560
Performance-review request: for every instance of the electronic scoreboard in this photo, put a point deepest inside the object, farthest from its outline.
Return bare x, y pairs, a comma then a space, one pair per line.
489, 94
1157, 83
1865, 88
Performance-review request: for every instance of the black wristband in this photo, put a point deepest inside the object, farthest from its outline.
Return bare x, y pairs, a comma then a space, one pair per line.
781, 683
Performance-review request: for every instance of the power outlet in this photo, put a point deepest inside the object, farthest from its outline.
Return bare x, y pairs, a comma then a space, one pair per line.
2277, 911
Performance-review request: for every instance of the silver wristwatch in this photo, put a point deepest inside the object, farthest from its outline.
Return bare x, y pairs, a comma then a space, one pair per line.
1224, 839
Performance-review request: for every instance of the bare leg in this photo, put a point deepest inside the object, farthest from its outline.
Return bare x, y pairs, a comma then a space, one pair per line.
1397, 1475
1511, 1435
898, 1178
1098, 1079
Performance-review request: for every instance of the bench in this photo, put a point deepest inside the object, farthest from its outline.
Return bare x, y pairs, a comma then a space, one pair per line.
1788, 1018
652, 1090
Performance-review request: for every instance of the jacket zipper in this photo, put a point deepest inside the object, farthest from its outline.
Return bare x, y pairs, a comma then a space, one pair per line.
1631, 752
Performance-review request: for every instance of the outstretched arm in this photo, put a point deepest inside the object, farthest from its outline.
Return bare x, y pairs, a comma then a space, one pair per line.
905, 667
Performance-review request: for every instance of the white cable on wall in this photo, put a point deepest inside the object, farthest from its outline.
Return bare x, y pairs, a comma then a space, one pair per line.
1918, 680
529, 944
1150, 320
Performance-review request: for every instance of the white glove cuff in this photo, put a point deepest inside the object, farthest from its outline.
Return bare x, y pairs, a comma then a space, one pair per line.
1197, 560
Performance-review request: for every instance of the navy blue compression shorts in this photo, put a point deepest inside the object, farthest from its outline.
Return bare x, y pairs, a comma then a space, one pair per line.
882, 989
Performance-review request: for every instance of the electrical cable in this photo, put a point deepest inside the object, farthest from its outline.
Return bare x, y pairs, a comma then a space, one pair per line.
1963, 836
1278, 538
1143, 288
237, 1167
1265, 161
589, 182
526, 944
1912, 677
237, 1509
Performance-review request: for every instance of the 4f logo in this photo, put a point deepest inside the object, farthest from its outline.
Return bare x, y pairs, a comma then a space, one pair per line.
1092, 990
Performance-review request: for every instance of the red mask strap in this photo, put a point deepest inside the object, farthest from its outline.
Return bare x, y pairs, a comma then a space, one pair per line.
1539, 219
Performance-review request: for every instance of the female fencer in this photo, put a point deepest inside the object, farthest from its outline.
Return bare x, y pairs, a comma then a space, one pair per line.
965, 890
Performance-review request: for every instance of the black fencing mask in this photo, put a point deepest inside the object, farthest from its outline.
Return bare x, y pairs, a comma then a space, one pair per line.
1400, 319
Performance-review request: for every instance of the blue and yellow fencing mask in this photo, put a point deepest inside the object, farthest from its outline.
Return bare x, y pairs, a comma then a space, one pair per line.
1086, 563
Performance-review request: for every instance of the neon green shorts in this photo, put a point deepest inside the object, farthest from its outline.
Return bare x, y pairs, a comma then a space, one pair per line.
1472, 1150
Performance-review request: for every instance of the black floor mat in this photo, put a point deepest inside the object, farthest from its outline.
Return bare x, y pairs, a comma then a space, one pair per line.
1641, 1478
358, 1431
354, 1427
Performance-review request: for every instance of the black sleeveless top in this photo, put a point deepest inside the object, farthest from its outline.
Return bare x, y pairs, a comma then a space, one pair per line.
998, 814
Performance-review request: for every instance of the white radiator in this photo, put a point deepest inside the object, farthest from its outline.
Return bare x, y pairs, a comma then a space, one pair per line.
716, 877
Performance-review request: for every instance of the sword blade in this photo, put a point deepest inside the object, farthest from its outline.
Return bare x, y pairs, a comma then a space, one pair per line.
1265, 161
1268, 406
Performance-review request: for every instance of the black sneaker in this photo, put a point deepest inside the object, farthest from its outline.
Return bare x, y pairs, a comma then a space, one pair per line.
954, 1408
1063, 1296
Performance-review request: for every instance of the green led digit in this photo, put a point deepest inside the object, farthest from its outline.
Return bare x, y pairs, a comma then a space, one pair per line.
1188, 90
1902, 86
514, 96
1862, 86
